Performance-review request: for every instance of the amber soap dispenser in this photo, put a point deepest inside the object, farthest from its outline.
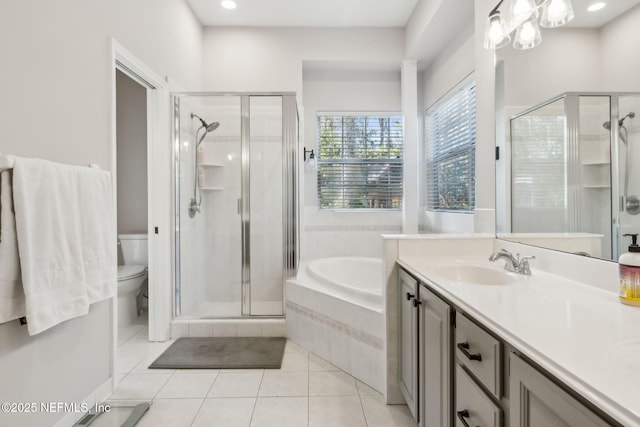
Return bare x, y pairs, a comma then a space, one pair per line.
629, 266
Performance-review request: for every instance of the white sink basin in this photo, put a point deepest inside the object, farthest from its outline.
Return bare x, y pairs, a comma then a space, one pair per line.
475, 274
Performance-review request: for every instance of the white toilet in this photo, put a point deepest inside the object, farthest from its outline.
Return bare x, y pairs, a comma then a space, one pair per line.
131, 275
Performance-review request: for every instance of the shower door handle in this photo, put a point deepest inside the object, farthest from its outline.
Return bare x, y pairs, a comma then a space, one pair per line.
239, 206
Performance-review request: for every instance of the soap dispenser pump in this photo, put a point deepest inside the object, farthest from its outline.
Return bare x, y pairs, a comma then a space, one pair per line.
629, 267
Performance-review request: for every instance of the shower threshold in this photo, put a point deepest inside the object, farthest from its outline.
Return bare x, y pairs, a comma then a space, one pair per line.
254, 326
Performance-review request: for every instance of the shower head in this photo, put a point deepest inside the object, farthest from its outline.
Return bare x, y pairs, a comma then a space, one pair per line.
607, 124
631, 115
210, 128
204, 124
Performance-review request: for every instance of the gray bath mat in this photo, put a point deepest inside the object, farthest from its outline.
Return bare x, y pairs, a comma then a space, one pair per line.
222, 353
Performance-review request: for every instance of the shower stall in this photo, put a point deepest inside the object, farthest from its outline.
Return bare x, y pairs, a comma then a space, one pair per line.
572, 171
236, 209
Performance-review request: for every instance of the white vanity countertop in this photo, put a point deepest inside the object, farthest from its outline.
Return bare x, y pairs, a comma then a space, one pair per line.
580, 334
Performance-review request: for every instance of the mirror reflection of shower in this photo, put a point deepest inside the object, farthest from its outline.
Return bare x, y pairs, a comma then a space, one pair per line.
631, 203
194, 203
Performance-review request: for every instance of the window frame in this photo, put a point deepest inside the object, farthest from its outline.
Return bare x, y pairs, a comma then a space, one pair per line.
359, 161
448, 154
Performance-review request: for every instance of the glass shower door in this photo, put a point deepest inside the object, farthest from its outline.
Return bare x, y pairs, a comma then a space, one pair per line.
265, 293
209, 243
237, 215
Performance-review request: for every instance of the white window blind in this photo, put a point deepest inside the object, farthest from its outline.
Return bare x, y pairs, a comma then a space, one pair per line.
539, 158
450, 138
360, 161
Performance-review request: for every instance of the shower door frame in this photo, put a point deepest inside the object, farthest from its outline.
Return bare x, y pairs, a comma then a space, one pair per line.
291, 241
571, 112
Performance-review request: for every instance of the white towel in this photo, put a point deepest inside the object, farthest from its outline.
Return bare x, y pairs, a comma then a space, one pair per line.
66, 239
11, 293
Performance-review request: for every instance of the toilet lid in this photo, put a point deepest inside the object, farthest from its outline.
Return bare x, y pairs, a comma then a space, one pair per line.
130, 271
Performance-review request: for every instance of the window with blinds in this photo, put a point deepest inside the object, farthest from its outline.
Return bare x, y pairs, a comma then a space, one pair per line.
539, 157
450, 143
360, 161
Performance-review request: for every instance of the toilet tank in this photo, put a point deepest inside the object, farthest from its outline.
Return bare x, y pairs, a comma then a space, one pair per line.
134, 249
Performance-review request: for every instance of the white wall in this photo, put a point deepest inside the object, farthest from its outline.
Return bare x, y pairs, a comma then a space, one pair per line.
567, 60
55, 104
342, 233
618, 60
342, 72
434, 24
574, 60
270, 59
56, 69
131, 98
447, 70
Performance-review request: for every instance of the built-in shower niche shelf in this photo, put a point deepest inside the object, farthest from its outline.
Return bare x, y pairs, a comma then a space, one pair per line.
596, 174
597, 163
210, 175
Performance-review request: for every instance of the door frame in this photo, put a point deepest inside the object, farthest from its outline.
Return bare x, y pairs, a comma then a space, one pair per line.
159, 210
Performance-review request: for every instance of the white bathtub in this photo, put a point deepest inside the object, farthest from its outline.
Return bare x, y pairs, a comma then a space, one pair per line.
355, 279
335, 309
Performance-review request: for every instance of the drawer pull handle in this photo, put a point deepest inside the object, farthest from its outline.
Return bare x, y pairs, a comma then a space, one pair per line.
416, 302
462, 415
463, 347
410, 296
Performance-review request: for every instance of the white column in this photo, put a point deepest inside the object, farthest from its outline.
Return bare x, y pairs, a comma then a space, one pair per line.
484, 213
409, 90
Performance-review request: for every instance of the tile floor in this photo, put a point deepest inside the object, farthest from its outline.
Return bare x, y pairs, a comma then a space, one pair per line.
306, 391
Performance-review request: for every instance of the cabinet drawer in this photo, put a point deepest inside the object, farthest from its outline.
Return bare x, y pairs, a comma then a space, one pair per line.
473, 406
480, 353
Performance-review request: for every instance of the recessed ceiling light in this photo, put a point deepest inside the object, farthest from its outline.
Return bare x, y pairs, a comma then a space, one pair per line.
596, 6
228, 4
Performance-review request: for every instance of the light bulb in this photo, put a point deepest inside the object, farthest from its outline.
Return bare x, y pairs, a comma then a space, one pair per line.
527, 35
496, 34
521, 10
556, 13
310, 164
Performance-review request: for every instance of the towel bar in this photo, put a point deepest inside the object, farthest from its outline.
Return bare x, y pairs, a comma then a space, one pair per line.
7, 161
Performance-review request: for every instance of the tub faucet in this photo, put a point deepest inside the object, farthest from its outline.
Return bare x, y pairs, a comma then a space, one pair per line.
511, 263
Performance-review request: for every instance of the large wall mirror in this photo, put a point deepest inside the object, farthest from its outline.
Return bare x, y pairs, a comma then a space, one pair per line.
568, 133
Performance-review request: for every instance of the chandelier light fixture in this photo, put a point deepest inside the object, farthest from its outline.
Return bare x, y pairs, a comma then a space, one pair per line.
524, 18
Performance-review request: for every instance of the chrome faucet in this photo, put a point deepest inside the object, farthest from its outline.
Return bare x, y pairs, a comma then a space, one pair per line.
511, 263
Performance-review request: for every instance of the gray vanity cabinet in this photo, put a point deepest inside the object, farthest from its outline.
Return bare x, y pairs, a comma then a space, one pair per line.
409, 341
473, 406
538, 402
456, 372
478, 381
425, 353
435, 359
